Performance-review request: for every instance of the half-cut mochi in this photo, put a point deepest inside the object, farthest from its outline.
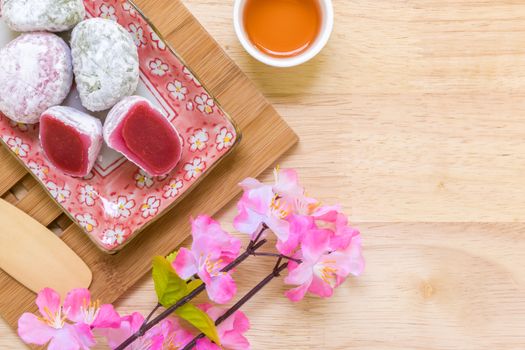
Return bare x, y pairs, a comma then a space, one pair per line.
71, 140
138, 130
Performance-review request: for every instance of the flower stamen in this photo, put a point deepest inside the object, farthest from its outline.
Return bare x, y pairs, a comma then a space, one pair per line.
279, 207
55, 320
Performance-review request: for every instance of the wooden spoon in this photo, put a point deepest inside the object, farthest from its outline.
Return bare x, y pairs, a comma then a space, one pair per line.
35, 256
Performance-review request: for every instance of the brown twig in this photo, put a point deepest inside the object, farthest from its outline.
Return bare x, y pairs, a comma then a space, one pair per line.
299, 261
275, 273
146, 327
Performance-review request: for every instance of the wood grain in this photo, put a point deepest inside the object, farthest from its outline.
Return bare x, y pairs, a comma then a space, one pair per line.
11, 171
413, 114
415, 109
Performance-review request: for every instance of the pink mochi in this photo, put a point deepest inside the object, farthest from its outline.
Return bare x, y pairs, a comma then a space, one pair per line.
36, 73
71, 140
138, 130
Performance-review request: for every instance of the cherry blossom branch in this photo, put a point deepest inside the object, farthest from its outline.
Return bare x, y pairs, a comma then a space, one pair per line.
299, 261
149, 316
275, 273
254, 241
166, 313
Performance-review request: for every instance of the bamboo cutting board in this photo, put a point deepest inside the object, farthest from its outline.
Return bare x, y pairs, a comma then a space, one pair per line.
265, 138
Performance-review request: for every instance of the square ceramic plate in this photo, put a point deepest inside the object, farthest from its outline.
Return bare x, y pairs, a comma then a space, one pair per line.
117, 200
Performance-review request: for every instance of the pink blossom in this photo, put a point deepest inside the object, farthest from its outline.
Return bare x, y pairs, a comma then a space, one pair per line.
331, 218
81, 309
322, 270
328, 218
272, 205
299, 225
129, 325
260, 205
170, 335
52, 327
231, 331
287, 184
212, 249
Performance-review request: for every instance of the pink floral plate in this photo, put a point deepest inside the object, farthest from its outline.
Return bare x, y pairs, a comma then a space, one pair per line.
117, 200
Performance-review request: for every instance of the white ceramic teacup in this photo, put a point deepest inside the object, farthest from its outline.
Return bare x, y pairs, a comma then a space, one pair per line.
327, 15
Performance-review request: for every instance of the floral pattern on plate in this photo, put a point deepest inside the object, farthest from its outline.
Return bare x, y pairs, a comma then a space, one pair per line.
117, 199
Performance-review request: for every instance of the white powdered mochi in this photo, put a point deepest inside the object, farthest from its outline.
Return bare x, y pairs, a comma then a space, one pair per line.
42, 15
35, 74
105, 62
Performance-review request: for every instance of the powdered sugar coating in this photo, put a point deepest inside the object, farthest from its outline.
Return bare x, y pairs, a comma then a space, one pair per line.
105, 61
35, 74
117, 115
42, 15
85, 124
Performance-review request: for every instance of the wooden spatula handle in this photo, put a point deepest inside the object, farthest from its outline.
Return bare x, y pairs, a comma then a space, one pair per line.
35, 256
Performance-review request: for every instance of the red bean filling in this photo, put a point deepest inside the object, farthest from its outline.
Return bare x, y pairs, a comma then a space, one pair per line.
63, 146
151, 138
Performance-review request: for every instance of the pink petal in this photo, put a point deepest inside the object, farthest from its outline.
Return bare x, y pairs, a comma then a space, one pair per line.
227, 325
204, 274
136, 320
128, 325
205, 247
64, 339
297, 294
340, 262
241, 322
355, 254
327, 213
301, 274
200, 225
213, 312
77, 299
221, 289
107, 317
48, 302
182, 337
298, 227
342, 238
250, 183
258, 199
33, 331
84, 335
315, 243
235, 341
211, 240
287, 183
157, 342
206, 344
281, 228
185, 264
321, 288
231, 248
247, 221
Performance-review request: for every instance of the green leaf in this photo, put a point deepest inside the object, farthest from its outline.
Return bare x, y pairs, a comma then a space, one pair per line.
171, 258
200, 320
169, 287
193, 285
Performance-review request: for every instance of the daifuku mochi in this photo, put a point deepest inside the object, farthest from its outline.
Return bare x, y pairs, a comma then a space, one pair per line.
35, 74
138, 130
71, 140
45, 15
105, 62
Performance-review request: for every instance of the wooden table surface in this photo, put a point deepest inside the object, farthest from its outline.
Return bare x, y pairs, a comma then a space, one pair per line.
413, 118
